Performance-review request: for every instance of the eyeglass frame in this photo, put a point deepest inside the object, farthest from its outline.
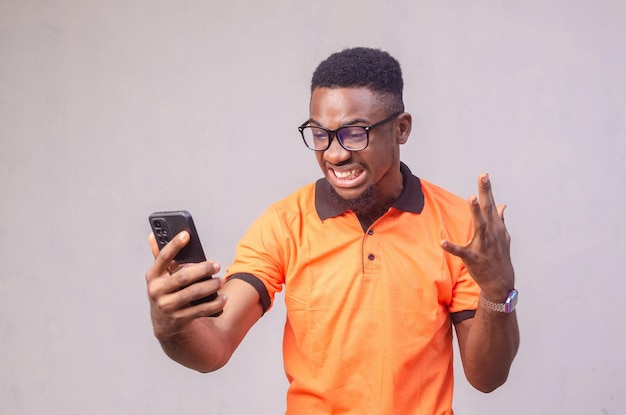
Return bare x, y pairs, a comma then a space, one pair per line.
333, 133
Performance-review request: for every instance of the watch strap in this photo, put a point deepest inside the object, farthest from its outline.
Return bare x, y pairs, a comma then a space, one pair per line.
506, 307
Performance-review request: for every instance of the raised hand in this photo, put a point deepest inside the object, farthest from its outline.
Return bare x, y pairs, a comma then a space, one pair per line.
487, 254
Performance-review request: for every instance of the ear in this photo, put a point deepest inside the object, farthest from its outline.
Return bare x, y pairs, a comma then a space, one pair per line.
404, 127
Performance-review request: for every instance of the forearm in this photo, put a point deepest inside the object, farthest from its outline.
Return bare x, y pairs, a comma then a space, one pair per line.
207, 343
198, 347
490, 347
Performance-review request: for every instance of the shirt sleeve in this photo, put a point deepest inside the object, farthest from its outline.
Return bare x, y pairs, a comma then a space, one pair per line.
261, 253
257, 284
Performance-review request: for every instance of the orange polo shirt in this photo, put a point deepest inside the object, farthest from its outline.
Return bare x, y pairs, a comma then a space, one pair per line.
369, 313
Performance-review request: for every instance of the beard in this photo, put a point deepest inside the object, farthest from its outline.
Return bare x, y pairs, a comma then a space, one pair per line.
360, 205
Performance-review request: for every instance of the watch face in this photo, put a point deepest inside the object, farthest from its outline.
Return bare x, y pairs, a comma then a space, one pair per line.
511, 301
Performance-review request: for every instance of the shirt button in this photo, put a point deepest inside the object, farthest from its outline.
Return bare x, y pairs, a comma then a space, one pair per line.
371, 257
370, 232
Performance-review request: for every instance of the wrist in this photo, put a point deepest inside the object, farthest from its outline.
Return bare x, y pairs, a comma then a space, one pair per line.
170, 334
497, 290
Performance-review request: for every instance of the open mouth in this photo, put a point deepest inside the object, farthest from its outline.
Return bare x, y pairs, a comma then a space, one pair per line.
347, 175
346, 178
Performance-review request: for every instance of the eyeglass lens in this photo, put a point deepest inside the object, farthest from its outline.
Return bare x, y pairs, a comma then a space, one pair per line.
352, 138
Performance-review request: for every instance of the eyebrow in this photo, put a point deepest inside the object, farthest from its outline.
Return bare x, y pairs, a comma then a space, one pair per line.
348, 124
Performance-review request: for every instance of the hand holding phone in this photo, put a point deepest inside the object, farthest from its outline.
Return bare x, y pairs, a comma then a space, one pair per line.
166, 225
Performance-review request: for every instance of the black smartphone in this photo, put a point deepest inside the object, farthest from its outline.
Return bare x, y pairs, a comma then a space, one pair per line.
168, 224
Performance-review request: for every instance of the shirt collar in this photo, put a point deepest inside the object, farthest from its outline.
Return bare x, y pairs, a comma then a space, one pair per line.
410, 200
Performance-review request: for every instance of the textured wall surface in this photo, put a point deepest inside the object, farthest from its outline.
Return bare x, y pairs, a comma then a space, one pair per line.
110, 110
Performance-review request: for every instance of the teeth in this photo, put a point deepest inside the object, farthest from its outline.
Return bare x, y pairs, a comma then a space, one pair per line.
346, 174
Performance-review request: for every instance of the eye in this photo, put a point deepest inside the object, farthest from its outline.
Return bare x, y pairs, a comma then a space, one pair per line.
352, 133
318, 134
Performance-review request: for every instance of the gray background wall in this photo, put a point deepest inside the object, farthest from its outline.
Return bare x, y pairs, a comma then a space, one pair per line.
112, 109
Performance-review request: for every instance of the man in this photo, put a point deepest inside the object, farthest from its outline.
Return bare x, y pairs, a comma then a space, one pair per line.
373, 282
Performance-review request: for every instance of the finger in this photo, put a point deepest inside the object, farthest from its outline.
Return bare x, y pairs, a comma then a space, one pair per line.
153, 245
207, 309
174, 266
192, 273
199, 289
485, 196
501, 209
478, 217
165, 257
174, 292
176, 295
167, 323
457, 250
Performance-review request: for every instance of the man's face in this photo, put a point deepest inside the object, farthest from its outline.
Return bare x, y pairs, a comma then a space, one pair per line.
351, 173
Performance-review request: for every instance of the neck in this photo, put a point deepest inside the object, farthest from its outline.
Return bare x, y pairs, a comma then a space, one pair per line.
368, 217
393, 184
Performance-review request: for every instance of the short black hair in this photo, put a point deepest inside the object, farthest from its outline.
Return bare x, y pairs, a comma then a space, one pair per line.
362, 67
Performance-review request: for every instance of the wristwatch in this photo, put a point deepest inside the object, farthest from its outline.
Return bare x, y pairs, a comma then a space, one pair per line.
506, 307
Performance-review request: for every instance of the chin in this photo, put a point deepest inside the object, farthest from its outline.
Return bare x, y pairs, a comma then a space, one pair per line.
349, 195
357, 201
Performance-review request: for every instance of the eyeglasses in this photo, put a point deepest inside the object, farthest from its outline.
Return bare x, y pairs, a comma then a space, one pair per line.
351, 137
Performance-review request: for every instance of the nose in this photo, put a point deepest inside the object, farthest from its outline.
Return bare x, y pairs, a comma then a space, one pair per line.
335, 154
